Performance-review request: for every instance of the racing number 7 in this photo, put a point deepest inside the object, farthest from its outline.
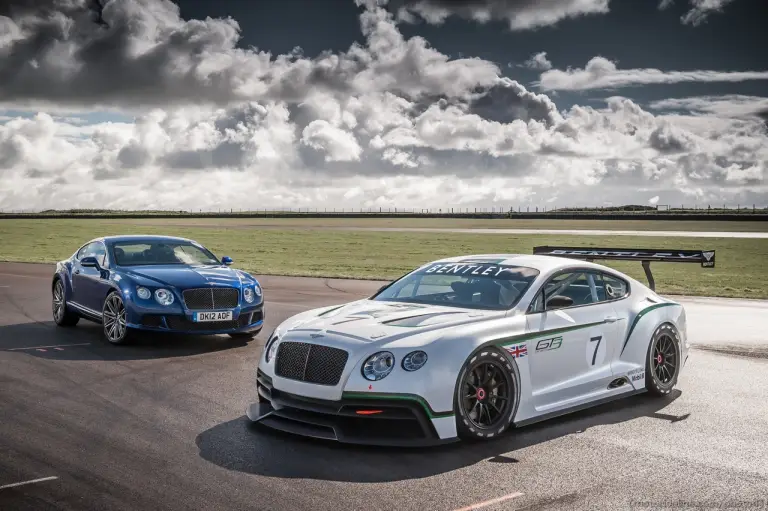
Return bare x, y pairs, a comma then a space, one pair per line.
597, 347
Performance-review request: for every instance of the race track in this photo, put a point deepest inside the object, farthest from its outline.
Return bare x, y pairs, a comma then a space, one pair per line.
161, 425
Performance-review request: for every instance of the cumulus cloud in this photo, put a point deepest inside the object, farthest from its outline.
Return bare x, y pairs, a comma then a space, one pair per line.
731, 105
518, 14
601, 73
389, 123
702, 9
539, 62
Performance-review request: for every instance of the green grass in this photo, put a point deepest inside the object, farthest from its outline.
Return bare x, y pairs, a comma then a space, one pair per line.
742, 264
458, 223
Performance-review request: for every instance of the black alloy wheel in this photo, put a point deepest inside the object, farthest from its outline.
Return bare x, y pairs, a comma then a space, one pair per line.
663, 364
486, 395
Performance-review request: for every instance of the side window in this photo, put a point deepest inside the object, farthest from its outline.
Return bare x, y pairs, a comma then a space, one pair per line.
615, 288
94, 249
578, 288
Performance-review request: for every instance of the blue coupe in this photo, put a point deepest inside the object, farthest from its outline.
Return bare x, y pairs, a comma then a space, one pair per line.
157, 283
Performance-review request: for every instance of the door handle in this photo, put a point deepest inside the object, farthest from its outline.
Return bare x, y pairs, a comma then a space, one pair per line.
77, 271
611, 319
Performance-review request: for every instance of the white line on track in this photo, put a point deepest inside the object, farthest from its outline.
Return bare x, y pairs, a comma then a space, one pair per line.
490, 502
23, 276
28, 482
52, 346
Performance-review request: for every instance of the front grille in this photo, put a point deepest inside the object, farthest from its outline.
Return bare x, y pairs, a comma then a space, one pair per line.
205, 298
312, 363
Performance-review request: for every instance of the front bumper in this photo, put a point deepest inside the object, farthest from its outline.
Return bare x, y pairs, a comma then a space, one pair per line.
250, 320
353, 420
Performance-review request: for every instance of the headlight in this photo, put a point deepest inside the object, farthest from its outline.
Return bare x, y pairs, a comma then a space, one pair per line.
271, 346
144, 293
378, 366
257, 290
248, 294
164, 297
414, 360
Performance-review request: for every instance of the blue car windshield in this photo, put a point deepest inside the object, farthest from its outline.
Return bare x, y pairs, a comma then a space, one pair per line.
478, 285
137, 253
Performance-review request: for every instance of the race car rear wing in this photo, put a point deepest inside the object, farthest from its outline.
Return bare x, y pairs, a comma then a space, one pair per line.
644, 255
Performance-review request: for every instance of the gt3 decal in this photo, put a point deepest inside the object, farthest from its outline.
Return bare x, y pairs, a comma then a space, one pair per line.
549, 344
517, 350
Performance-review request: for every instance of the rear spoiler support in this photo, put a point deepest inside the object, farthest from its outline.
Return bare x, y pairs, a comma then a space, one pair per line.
643, 255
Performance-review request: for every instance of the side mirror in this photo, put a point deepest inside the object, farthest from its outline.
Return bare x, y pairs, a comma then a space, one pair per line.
89, 262
227, 260
558, 302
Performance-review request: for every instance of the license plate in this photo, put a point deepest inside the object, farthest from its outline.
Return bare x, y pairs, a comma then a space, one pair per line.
201, 317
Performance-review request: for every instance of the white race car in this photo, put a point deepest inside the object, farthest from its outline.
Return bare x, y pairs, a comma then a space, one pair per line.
466, 347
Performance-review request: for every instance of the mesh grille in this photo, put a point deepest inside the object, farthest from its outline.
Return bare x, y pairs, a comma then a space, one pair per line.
210, 298
312, 363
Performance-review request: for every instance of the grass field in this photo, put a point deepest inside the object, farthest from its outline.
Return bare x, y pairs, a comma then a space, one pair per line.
742, 264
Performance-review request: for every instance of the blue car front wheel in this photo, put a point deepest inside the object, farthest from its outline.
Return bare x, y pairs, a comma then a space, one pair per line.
113, 319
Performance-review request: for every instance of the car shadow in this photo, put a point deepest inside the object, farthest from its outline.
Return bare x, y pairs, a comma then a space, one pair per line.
44, 339
242, 446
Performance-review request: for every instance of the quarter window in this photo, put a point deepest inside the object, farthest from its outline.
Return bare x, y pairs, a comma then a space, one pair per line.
614, 288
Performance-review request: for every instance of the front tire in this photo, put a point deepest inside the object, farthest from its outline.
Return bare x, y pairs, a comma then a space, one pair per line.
113, 319
663, 362
61, 315
485, 396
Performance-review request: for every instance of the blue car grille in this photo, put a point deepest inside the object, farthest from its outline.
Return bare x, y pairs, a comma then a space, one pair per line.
209, 298
311, 363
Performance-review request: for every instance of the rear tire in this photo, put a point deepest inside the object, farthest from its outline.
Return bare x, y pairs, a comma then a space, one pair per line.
113, 319
663, 362
486, 396
61, 315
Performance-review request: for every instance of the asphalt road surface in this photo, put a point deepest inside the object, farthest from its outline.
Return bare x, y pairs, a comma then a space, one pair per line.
161, 425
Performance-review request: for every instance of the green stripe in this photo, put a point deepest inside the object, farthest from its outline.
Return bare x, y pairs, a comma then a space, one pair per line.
640, 315
515, 339
399, 397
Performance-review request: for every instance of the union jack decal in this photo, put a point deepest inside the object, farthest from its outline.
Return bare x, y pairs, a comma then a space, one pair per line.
517, 350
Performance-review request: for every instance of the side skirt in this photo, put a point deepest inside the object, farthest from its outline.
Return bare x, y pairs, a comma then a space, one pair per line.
85, 312
577, 408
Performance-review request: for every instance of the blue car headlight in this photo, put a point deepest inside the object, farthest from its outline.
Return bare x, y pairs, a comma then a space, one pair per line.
378, 366
414, 360
248, 294
163, 296
143, 293
257, 290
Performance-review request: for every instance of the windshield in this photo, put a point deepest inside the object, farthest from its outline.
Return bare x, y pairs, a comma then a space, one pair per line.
161, 252
479, 285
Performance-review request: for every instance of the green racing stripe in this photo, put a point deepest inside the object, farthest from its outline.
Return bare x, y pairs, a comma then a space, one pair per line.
640, 315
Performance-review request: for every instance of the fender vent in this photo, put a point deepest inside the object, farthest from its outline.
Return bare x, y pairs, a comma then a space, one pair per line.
618, 382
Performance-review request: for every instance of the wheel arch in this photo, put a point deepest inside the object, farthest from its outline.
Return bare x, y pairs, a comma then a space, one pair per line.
642, 326
517, 377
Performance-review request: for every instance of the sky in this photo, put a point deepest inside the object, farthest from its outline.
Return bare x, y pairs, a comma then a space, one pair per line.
330, 104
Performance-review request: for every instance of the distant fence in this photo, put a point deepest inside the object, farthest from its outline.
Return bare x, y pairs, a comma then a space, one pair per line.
617, 213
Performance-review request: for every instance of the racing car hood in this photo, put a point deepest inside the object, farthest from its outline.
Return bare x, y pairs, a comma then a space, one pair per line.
188, 276
367, 321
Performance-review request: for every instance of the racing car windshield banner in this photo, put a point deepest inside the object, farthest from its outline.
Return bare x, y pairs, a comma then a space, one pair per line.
496, 271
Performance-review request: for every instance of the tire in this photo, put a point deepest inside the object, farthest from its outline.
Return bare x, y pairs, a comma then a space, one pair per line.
663, 362
61, 315
113, 320
485, 410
